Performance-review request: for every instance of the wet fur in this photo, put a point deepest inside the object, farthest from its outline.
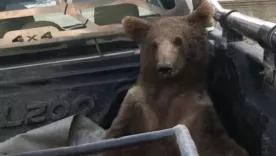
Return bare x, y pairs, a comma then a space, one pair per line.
156, 103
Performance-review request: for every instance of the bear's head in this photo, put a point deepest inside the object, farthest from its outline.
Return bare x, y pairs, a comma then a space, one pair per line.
172, 46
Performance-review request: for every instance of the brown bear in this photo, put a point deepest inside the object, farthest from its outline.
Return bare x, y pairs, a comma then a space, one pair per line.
171, 87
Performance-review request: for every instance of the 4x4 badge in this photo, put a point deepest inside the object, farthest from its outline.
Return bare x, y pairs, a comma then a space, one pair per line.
20, 38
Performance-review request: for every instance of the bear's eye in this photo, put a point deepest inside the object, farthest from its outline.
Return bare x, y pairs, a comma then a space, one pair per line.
154, 45
177, 41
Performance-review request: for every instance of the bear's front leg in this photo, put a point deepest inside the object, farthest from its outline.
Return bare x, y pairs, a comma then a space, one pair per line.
130, 115
129, 119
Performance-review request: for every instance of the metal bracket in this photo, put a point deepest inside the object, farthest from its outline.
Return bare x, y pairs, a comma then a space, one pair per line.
230, 36
223, 17
269, 67
227, 33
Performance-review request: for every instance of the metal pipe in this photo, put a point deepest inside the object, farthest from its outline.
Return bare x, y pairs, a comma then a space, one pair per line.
183, 138
254, 28
273, 39
219, 10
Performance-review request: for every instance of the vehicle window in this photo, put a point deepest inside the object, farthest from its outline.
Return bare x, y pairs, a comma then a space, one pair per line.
155, 2
113, 14
166, 4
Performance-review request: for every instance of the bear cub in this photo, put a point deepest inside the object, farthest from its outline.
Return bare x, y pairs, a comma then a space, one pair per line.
171, 87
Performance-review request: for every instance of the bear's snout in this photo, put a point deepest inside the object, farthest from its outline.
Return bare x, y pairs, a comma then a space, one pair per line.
164, 68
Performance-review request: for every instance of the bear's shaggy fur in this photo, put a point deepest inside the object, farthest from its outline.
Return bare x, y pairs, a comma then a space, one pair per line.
171, 87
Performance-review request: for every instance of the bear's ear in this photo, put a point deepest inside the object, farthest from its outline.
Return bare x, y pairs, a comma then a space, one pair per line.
136, 28
202, 15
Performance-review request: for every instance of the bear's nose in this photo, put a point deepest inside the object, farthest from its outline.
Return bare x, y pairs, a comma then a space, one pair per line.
164, 68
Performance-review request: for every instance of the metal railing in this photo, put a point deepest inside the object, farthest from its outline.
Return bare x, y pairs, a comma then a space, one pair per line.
183, 138
260, 30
